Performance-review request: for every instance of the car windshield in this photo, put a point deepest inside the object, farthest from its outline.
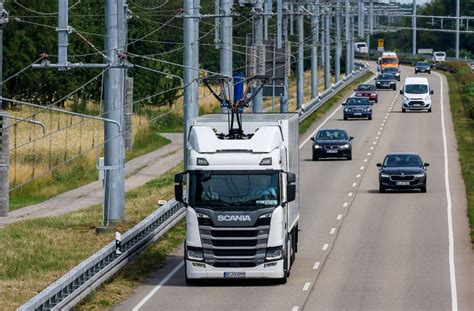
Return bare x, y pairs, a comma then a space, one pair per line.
385, 77
440, 54
331, 135
402, 160
361, 45
416, 88
389, 60
421, 64
366, 87
222, 189
357, 102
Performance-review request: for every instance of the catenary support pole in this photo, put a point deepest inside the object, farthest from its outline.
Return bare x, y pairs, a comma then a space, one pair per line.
194, 110
257, 102
284, 30
188, 75
4, 125
337, 54
62, 31
226, 45
351, 44
279, 37
314, 48
360, 19
327, 60
114, 147
267, 8
300, 68
413, 25
458, 5
347, 21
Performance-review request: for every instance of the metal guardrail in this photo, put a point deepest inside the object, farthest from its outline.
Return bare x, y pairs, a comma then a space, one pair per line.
75, 285
71, 288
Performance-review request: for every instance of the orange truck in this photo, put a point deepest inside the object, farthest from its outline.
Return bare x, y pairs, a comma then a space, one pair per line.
388, 60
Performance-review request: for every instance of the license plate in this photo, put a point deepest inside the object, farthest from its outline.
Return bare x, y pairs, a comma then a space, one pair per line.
235, 275
357, 113
331, 151
387, 85
403, 183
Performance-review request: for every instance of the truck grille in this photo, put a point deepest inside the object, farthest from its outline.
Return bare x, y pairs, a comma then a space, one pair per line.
234, 246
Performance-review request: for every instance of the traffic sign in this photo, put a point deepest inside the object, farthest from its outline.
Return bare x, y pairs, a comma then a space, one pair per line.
380, 43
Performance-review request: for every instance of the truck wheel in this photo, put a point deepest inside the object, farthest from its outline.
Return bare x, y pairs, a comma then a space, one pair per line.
286, 263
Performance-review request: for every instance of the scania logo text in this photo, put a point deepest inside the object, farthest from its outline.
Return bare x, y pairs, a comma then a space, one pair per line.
233, 218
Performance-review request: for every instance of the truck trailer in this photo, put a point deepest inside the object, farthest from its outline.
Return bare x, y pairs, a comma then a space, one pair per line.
242, 197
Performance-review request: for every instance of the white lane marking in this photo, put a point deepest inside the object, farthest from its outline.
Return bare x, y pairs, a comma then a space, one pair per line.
358, 176
365, 160
378, 133
361, 168
349, 194
157, 287
376, 137
344, 205
371, 148
368, 153
354, 184
452, 270
333, 230
381, 128
325, 247
316, 265
295, 308
306, 286
339, 217
374, 142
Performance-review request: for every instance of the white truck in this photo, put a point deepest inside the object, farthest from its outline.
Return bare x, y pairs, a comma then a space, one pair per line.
241, 194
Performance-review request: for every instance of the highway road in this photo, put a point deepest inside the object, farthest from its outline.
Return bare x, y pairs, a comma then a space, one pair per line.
359, 249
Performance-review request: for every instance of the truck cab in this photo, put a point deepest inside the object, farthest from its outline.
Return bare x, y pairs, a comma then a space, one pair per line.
241, 197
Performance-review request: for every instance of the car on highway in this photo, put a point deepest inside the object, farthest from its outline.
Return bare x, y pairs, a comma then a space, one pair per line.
422, 67
332, 143
357, 107
402, 170
439, 57
471, 64
394, 71
416, 94
386, 81
367, 90
361, 47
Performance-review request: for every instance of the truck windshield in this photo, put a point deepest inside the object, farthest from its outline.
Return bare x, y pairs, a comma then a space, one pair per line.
416, 88
221, 189
389, 60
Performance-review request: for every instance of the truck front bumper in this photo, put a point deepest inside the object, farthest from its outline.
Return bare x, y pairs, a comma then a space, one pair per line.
268, 270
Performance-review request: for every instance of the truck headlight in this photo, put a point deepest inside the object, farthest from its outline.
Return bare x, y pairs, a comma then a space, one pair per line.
274, 253
195, 253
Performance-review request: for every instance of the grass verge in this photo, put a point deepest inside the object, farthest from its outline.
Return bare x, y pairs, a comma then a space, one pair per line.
464, 130
79, 172
306, 124
38, 251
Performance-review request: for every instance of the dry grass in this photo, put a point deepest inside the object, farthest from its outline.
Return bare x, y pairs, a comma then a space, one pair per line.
65, 138
36, 252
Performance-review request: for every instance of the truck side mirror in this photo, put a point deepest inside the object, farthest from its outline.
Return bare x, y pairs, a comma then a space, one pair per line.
291, 178
290, 192
178, 188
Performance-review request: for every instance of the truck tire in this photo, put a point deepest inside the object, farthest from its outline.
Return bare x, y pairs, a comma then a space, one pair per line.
286, 262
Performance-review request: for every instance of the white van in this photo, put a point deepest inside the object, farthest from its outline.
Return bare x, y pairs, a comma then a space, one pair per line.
416, 94
361, 47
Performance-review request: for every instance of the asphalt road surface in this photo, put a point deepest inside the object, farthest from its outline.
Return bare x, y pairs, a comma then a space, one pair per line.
359, 249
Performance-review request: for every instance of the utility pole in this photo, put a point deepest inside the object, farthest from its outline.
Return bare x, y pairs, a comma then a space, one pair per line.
257, 102
458, 13
226, 45
327, 60
4, 130
352, 30
347, 8
195, 89
284, 30
337, 58
314, 48
414, 28
360, 19
267, 8
300, 69
113, 108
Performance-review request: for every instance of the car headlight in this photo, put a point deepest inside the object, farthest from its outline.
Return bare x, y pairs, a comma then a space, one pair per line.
373, 94
419, 175
367, 109
405, 98
384, 175
427, 97
346, 109
195, 253
317, 146
274, 253
345, 146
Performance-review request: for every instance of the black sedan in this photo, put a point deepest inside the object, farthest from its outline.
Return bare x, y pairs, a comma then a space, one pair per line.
357, 107
402, 171
422, 67
394, 71
332, 143
386, 81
